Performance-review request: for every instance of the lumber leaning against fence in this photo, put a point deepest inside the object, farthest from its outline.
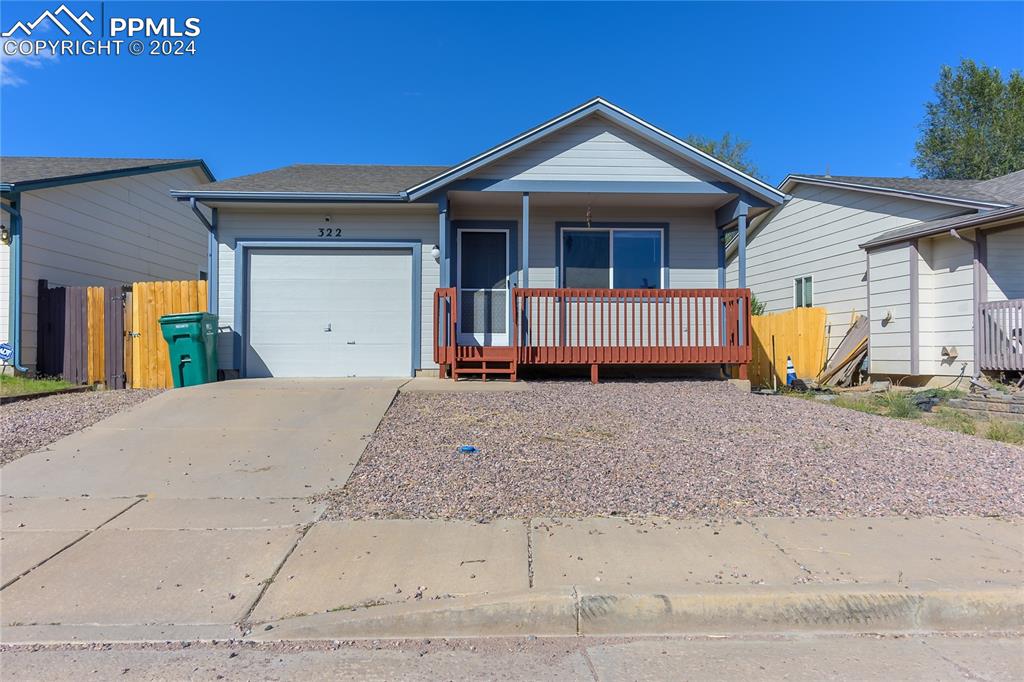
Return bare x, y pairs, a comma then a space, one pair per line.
799, 333
151, 300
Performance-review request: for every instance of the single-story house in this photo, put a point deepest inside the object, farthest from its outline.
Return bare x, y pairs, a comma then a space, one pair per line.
936, 265
591, 239
91, 222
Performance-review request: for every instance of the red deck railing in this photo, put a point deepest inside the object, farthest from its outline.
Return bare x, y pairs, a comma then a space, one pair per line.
615, 326
631, 326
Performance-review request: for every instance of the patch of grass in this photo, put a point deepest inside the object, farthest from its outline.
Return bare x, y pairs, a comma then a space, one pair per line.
1005, 432
868, 405
18, 385
898, 405
952, 420
942, 394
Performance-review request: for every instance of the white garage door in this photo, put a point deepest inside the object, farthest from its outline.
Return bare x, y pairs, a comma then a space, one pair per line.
329, 313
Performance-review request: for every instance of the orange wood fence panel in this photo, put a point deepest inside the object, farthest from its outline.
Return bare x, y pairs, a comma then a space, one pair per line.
96, 297
797, 333
150, 362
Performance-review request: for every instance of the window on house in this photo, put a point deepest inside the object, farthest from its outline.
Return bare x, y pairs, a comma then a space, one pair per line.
803, 295
610, 258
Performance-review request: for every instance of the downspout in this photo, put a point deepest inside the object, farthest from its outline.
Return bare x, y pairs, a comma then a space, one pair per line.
14, 288
212, 247
978, 292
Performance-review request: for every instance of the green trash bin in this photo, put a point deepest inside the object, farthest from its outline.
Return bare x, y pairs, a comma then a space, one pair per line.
192, 345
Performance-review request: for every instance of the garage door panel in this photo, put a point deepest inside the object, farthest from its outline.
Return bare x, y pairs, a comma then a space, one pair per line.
364, 295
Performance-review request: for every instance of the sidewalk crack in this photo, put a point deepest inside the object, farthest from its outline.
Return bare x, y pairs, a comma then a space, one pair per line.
529, 552
781, 549
244, 623
69, 545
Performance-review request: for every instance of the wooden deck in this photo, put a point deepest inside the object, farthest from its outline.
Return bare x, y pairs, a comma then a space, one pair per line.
598, 327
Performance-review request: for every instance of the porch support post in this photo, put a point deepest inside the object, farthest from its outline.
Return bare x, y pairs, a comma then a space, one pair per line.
443, 224
721, 259
741, 250
525, 279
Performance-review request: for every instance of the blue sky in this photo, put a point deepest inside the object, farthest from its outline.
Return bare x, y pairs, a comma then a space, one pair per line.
278, 83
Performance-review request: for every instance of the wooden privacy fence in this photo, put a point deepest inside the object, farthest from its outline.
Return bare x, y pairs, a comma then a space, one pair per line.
798, 333
80, 334
111, 335
147, 350
1001, 335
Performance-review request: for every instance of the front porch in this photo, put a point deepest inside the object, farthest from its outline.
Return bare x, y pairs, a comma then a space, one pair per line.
595, 327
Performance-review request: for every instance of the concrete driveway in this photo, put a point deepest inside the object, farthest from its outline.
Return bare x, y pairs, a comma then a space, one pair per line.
237, 439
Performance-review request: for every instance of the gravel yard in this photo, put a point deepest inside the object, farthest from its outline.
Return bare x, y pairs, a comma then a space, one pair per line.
672, 448
28, 425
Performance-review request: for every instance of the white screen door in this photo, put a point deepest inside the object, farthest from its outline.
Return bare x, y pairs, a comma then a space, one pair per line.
483, 287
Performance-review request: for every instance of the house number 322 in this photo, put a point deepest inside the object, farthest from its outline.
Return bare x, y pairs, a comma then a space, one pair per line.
330, 231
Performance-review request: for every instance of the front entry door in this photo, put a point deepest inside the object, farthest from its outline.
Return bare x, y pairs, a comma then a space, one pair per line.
483, 282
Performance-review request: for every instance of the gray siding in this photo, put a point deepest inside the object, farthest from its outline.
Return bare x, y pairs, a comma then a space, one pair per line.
593, 149
105, 233
818, 233
1006, 264
890, 297
383, 223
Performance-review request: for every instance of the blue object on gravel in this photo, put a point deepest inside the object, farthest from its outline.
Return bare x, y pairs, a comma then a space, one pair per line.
468, 449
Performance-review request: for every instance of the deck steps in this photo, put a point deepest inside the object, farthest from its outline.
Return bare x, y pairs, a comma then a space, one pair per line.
485, 362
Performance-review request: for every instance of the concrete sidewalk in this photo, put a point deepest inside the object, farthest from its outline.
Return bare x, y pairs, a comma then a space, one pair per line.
165, 569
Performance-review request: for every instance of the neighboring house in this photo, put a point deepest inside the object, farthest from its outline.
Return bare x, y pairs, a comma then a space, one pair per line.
883, 247
591, 239
91, 222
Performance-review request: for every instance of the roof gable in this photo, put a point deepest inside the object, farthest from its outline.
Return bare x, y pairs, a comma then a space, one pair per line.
957, 192
685, 153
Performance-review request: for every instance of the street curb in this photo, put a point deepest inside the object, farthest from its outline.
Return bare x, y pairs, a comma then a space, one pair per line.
737, 611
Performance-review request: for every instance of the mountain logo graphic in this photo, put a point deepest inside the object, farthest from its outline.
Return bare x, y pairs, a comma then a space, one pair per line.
68, 15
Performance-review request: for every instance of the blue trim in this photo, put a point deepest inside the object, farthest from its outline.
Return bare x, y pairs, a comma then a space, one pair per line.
576, 225
213, 286
44, 183
444, 229
595, 186
14, 284
741, 251
244, 245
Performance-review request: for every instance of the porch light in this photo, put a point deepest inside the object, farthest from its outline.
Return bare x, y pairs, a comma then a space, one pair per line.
435, 253
5, 235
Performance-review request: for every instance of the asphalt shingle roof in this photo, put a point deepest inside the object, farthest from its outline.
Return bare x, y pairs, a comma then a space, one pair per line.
24, 169
971, 190
328, 178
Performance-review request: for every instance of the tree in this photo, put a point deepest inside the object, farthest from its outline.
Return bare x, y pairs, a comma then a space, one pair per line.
732, 151
974, 130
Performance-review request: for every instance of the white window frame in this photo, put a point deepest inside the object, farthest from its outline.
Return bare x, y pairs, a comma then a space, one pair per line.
798, 281
611, 251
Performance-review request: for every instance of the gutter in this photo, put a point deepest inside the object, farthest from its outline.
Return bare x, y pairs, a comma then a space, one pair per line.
298, 197
877, 189
212, 246
14, 289
987, 219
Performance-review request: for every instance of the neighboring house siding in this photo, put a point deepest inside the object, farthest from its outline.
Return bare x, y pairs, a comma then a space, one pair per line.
946, 309
1005, 264
890, 293
594, 149
106, 233
818, 233
408, 222
5, 281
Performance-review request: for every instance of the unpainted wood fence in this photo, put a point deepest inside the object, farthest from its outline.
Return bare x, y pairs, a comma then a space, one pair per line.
797, 333
111, 335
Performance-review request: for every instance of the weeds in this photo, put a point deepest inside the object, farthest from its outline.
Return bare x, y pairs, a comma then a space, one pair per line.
899, 405
952, 420
1005, 432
